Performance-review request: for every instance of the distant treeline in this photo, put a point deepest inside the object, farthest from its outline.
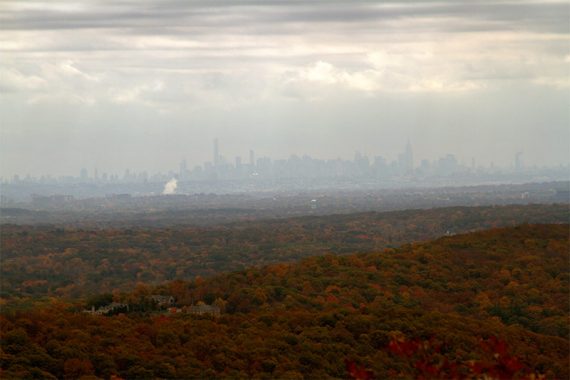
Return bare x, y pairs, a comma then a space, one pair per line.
71, 262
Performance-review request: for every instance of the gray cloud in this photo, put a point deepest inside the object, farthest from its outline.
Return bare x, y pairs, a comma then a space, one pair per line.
549, 17
321, 77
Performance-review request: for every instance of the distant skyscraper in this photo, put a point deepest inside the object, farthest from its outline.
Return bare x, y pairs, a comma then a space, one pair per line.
518, 162
216, 153
425, 166
251, 158
183, 172
406, 160
447, 165
409, 158
83, 174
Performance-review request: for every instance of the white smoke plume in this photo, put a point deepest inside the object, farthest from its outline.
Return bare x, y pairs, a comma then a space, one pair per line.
170, 187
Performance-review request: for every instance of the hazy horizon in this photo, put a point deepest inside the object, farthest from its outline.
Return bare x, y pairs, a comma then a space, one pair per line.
468, 164
143, 85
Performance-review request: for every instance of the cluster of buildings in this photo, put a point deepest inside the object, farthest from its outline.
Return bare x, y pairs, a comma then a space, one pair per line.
202, 309
258, 169
161, 303
295, 167
302, 167
112, 308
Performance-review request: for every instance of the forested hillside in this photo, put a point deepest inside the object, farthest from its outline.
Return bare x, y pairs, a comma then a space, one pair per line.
70, 262
492, 303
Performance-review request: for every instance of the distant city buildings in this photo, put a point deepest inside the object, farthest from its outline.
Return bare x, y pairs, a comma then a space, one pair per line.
406, 160
518, 162
360, 169
301, 167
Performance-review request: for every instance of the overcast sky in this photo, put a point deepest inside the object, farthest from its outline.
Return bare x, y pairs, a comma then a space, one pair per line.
143, 84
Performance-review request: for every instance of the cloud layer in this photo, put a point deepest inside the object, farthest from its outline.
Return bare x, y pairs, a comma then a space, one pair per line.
185, 62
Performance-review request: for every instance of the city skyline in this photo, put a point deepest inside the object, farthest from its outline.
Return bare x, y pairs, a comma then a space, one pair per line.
405, 164
508, 159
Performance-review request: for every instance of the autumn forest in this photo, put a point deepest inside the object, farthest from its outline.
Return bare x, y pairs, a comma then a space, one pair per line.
462, 292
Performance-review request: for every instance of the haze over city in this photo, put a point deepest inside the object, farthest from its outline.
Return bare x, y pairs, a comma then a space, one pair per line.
131, 84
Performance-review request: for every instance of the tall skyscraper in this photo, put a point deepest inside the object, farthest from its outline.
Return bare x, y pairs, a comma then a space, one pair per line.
518, 162
409, 158
251, 158
216, 153
183, 170
406, 160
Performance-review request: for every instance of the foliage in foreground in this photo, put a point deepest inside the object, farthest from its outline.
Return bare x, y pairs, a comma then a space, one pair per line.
492, 303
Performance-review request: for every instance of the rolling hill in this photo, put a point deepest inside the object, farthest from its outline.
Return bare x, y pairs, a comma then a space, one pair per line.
491, 303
